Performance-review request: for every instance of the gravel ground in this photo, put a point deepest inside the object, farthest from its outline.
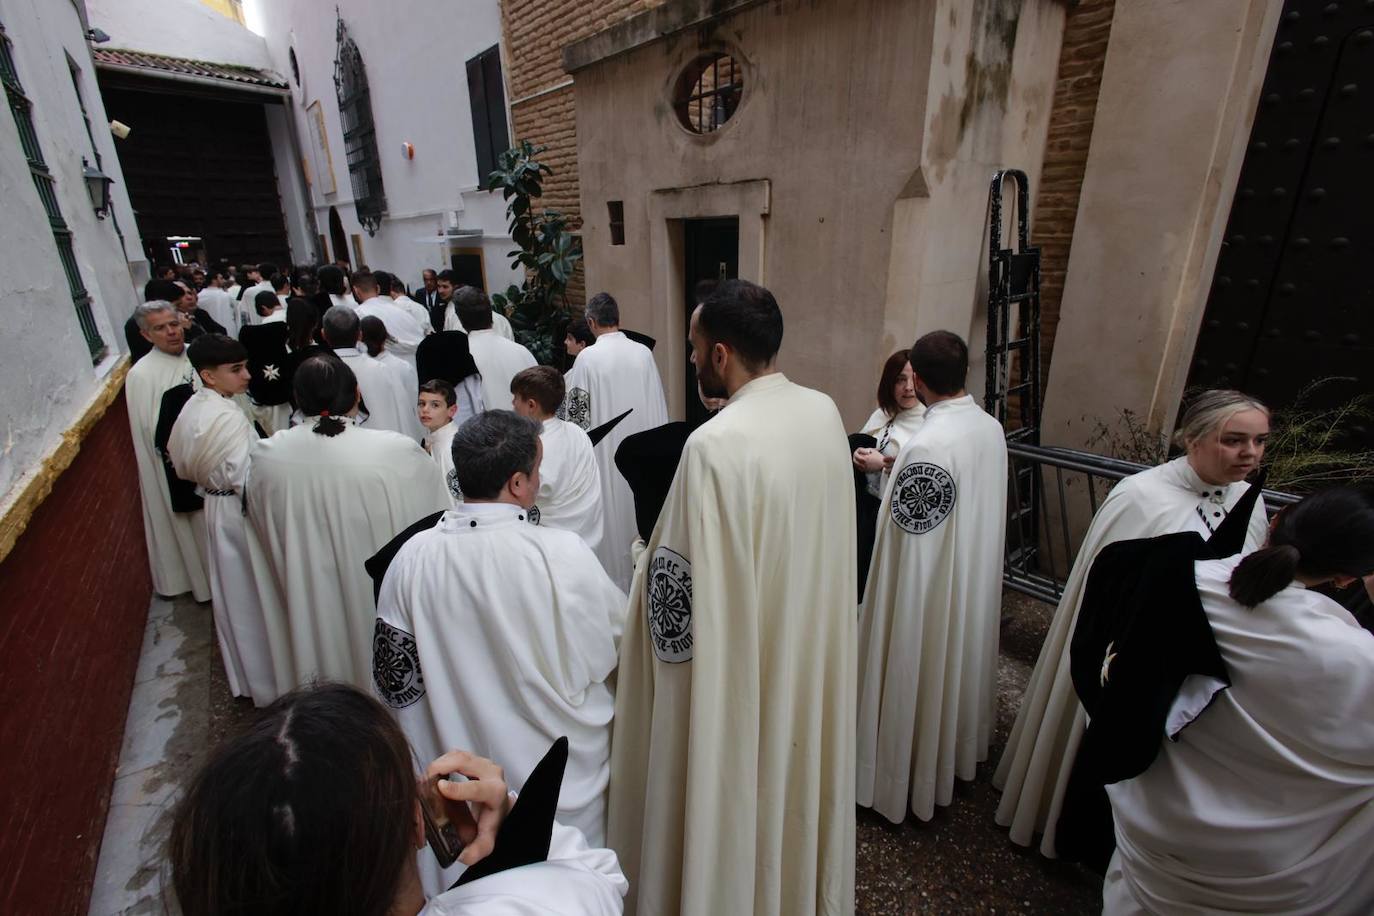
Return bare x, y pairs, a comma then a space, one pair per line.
959, 862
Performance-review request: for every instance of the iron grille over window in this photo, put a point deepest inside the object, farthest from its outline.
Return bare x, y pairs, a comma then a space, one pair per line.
22, 109
359, 132
487, 95
708, 92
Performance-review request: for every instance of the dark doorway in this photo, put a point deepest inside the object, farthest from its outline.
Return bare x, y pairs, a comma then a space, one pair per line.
198, 167
467, 264
712, 254
338, 238
1290, 301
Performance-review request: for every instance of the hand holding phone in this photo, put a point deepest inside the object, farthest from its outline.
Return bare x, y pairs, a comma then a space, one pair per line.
462, 817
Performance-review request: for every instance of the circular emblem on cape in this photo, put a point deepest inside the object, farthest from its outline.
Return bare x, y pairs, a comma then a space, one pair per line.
922, 497
396, 666
580, 407
533, 515
669, 605
452, 479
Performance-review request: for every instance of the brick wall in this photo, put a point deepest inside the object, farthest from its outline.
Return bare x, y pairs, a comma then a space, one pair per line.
1066, 154
76, 589
536, 32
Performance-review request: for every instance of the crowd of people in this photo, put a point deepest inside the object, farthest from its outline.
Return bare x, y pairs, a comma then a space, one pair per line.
692, 650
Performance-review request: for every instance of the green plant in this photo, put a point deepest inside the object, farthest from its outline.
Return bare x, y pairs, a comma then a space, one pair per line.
1307, 447
547, 251
1129, 438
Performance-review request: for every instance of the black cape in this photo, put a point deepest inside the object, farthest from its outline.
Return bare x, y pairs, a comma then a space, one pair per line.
183, 492
267, 352
445, 355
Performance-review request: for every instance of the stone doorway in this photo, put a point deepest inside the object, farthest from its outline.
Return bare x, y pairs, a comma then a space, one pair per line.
711, 254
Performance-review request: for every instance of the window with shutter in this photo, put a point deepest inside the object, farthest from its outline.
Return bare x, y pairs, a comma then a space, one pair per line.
487, 95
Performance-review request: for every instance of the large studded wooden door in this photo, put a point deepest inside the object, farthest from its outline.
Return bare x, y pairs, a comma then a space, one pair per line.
1292, 301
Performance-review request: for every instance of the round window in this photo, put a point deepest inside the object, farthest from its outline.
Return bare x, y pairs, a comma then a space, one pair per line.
708, 92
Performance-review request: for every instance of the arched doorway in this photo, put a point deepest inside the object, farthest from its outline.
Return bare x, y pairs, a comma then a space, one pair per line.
338, 238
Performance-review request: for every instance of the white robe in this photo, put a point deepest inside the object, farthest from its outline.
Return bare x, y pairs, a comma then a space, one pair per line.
221, 307
1033, 772
209, 444
499, 323
928, 625
499, 637
575, 879
1265, 803
321, 506
892, 433
569, 482
405, 332
176, 540
247, 303
498, 359
610, 377
414, 310
732, 768
403, 375
387, 394
439, 444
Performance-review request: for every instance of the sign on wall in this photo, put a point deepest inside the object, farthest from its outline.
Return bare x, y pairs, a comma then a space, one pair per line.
319, 149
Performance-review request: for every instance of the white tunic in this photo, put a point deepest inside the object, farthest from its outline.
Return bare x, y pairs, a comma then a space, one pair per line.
499, 323
498, 359
247, 302
439, 444
928, 625
500, 636
209, 444
221, 307
1265, 803
405, 332
892, 433
1033, 772
569, 482
387, 393
414, 310
575, 879
320, 507
403, 375
612, 376
176, 540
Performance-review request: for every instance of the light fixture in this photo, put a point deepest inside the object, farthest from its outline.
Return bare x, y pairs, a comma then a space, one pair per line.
99, 36
98, 186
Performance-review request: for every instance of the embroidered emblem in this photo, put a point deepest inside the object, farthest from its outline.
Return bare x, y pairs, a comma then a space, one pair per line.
922, 497
396, 666
579, 406
271, 373
1107, 662
452, 479
533, 515
669, 605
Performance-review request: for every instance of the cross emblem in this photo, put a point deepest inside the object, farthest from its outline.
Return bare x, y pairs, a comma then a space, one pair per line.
1107, 662
271, 373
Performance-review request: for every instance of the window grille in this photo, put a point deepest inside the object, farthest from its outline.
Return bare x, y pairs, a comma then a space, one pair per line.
359, 132
708, 92
22, 109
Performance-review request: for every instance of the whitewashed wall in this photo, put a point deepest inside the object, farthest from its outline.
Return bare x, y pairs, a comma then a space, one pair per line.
46, 375
414, 52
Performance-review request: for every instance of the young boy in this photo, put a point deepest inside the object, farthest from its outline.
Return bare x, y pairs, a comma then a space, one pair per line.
437, 406
209, 444
570, 484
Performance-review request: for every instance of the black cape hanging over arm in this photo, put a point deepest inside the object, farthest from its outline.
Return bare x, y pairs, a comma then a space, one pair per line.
445, 355
183, 492
648, 461
377, 564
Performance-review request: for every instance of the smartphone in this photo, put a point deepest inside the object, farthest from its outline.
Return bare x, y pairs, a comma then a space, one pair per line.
440, 832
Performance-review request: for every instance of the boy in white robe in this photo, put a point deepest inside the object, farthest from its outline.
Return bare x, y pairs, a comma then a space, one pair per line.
613, 376
388, 402
176, 541
209, 444
498, 359
928, 625
322, 497
499, 636
732, 770
405, 332
437, 406
569, 480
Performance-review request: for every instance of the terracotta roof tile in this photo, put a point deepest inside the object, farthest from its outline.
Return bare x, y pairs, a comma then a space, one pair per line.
161, 63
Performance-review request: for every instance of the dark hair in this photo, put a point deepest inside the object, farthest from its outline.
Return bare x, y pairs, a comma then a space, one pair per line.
365, 280
213, 272
280, 282
603, 309
340, 327
325, 385
165, 290
449, 276
702, 290
441, 387
581, 332
745, 317
309, 810
1330, 533
490, 448
473, 309
331, 280
210, 350
267, 269
385, 282
303, 279
302, 318
373, 333
940, 360
265, 301
543, 383
892, 370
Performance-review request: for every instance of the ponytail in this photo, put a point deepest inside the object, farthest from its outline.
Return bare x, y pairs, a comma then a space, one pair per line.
328, 426
1264, 573
326, 388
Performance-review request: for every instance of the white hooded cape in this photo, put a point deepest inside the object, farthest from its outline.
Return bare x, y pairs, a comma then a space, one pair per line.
321, 506
387, 394
612, 376
498, 360
499, 323
176, 540
928, 625
1033, 772
892, 433
732, 763
1265, 803
405, 331
439, 444
569, 482
498, 636
209, 444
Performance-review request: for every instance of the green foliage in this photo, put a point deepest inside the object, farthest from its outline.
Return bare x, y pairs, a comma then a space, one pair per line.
1306, 451
1129, 439
547, 251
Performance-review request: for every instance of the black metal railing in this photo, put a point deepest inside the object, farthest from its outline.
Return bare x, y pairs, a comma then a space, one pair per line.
1048, 514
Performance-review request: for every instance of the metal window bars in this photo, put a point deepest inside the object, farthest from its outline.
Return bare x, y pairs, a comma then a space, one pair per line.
359, 131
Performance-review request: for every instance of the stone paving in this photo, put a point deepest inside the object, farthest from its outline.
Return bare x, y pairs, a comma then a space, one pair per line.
960, 862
